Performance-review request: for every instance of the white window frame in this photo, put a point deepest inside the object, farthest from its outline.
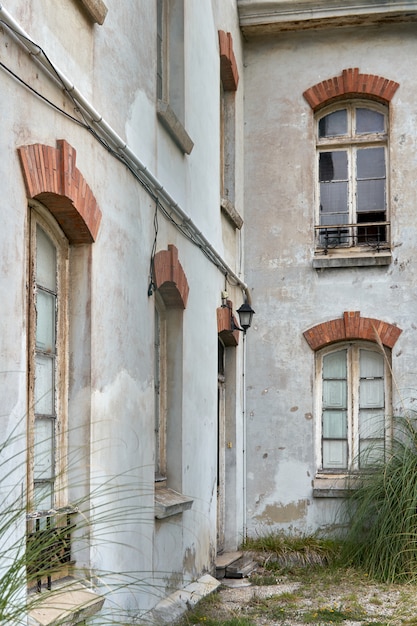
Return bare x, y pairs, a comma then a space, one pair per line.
353, 377
160, 385
39, 216
350, 143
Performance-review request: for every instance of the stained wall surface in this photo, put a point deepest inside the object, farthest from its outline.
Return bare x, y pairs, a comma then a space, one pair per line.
290, 295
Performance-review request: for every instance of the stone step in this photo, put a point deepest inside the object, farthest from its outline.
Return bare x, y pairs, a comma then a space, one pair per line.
234, 565
243, 567
223, 561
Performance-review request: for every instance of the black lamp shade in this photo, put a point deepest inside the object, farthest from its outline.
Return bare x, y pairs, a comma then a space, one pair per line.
245, 313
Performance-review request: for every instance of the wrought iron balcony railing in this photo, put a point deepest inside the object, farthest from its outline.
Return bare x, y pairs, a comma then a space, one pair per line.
375, 235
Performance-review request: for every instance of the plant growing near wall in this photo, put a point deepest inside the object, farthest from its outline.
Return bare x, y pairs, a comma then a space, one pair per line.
382, 511
31, 559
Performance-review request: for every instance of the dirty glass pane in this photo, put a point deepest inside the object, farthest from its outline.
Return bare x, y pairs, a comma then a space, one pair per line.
334, 124
371, 196
334, 365
370, 175
371, 424
44, 449
45, 260
368, 121
42, 496
334, 199
370, 163
334, 394
333, 166
334, 425
334, 454
371, 364
44, 385
371, 393
370, 452
45, 321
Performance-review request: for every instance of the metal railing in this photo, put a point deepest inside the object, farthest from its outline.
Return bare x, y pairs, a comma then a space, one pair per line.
375, 235
48, 544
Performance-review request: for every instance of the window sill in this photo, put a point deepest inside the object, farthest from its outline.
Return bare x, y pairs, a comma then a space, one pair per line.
173, 126
96, 10
352, 257
333, 485
169, 502
228, 208
67, 605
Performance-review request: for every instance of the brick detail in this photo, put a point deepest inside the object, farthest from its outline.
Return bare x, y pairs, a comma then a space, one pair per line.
170, 278
351, 83
51, 176
352, 326
228, 66
227, 324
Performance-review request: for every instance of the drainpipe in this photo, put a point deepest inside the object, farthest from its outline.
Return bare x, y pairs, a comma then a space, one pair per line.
110, 136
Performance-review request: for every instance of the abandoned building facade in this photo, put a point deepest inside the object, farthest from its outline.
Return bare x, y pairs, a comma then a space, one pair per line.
170, 164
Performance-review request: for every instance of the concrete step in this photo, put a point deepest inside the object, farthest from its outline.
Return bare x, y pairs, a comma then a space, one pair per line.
241, 568
234, 565
223, 561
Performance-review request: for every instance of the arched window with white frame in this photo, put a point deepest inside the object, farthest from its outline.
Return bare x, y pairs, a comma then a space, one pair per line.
353, 405
352, 176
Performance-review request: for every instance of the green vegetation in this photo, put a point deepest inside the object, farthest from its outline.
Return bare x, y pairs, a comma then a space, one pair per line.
382, 536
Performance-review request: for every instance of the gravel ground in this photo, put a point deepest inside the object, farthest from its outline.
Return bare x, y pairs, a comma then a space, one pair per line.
321, 599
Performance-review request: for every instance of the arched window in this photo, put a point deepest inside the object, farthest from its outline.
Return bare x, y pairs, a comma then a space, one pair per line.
48, 322
352, 194
354, 400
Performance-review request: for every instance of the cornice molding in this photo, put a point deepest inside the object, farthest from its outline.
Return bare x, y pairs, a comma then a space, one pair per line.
269, 16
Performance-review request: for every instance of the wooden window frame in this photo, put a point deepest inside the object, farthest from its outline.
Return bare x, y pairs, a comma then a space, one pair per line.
350, 143
353, 351
40, 216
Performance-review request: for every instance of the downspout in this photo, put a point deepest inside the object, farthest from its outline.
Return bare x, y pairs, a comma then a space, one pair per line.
119, 145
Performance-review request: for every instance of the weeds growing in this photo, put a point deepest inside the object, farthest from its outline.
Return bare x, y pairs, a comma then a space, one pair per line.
382, 536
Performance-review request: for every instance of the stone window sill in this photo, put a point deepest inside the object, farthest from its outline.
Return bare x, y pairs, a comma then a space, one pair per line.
333, 485
67, 605
169, 502
174, 127
352, 257
228, 208
96, 10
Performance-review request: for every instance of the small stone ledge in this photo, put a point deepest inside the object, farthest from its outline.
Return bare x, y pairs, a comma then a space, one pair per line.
96, 10
173, 126
333, 486
67, 605
169, 502
170, 609
352, 260
228, 208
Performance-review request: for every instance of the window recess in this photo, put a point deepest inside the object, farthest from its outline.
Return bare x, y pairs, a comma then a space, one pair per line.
352, 182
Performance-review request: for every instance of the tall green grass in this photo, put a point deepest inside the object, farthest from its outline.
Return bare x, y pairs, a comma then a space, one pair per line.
382, 511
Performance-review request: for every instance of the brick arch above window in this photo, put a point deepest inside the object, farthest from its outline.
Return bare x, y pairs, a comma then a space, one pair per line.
352, 326
351, 83
170, 279
52, 177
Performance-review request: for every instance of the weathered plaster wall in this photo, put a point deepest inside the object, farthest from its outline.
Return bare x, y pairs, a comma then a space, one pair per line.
289, 295
111, 316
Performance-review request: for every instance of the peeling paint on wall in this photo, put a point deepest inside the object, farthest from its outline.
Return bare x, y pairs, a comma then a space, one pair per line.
283, 513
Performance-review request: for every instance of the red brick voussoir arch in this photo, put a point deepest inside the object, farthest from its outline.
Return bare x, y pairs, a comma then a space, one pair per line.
352, 326
170, 279
351, 83
52, 178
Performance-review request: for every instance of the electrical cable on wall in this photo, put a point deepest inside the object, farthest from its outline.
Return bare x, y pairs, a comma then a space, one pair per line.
122, 153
